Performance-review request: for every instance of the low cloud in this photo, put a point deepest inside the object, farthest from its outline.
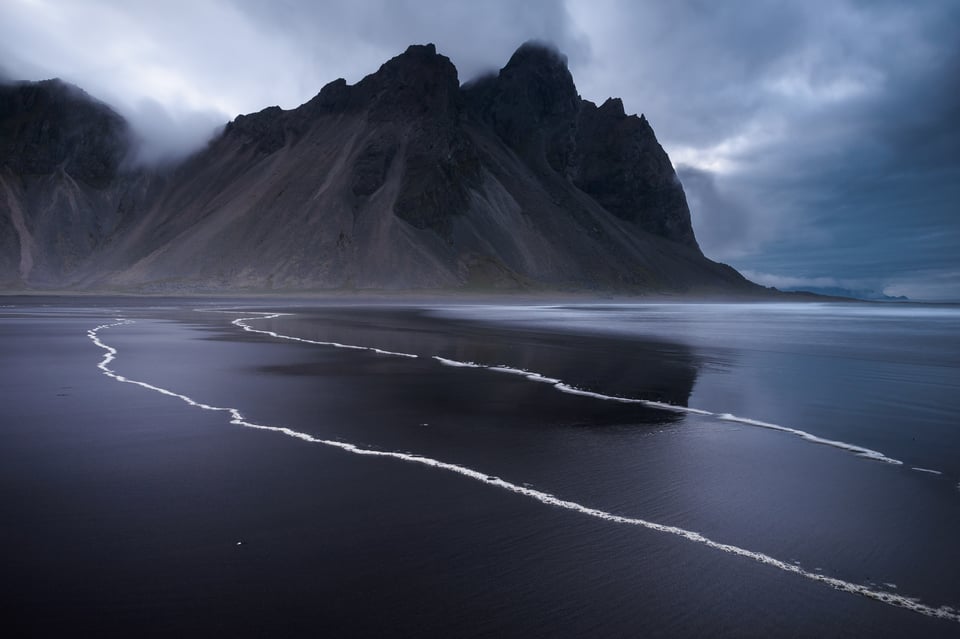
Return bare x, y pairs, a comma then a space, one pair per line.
165, 135
786, 282
921, 286
838, 148
726, 224
932, 286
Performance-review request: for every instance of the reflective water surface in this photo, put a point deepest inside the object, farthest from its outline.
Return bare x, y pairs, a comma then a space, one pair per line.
735, 398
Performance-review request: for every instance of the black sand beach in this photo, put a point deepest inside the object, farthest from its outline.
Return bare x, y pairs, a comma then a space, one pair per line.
132, 512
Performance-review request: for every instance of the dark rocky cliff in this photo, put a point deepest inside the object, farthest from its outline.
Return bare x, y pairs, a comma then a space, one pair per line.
403, 180
534, 107
51, 125
62, 192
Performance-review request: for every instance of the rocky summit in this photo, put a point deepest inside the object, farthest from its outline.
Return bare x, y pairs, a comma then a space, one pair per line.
405, 180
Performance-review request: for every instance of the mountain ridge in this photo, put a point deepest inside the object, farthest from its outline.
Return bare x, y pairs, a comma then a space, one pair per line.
404, 180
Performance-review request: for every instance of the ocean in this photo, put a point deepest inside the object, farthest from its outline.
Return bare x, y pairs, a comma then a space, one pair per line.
293, 467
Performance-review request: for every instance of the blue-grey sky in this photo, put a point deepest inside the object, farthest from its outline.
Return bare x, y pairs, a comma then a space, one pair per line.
819, 142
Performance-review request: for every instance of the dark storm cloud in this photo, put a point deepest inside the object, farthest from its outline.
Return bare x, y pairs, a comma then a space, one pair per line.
724, 223
816, 140
832, 125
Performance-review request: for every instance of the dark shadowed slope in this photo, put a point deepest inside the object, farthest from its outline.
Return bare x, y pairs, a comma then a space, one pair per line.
405, 180
60, 197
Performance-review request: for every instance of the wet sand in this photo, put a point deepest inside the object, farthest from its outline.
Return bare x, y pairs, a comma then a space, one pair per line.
131, 512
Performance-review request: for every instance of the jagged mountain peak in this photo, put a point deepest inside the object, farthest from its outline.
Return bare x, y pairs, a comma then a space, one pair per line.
613, 106
402, 180
418, 63
415, 83
536, 53
537, 78
52, 124
532, 104
419, 83
417, 53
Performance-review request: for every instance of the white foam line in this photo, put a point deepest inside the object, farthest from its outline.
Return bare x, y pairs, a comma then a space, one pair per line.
926, 470
573, 390
241, 322
237, 418
853, 448
457, 364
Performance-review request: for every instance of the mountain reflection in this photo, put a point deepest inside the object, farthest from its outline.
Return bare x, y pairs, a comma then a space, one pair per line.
654, 369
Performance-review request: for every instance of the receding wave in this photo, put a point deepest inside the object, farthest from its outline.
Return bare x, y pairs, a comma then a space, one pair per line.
567, 388
242, 323
237, 418
564, 387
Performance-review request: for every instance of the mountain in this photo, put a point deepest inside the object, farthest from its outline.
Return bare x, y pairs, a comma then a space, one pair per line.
405, 180
60, 155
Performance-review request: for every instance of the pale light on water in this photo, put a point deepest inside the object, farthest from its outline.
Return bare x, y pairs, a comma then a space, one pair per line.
755, 431
880, 374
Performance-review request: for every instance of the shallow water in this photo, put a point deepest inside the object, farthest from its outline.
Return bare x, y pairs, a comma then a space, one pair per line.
535, 407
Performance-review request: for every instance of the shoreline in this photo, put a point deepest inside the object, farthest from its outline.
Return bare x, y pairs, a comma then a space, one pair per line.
498, 297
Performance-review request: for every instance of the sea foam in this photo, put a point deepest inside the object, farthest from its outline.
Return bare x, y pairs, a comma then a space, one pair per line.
241, 322
564, 387
237, 418
573, 390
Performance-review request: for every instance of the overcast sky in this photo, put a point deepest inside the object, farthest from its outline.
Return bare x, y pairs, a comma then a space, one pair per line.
818, 142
